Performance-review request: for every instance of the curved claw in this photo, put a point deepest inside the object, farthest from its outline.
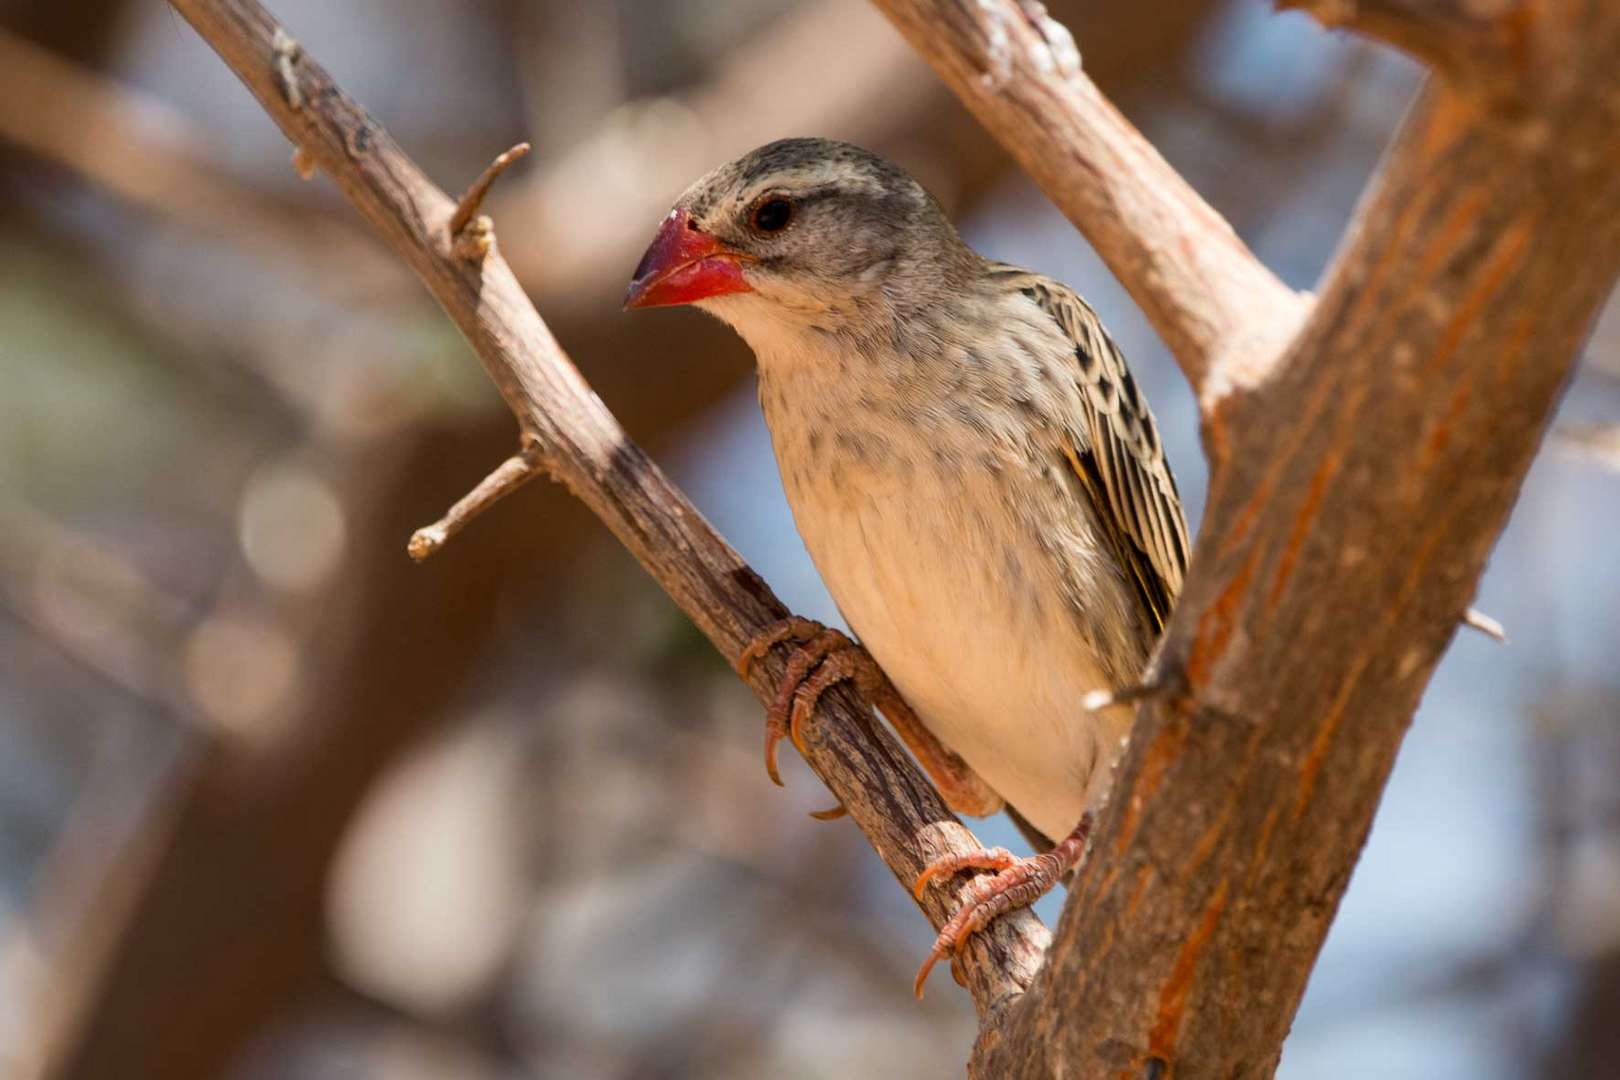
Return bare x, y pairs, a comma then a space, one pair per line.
790, 629
832, 813
935, 954
772, 737
800, 690
801, 711
841, 663
816, 642
985, 899
996, 859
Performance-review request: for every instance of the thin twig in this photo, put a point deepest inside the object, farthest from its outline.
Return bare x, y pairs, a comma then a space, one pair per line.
508, 476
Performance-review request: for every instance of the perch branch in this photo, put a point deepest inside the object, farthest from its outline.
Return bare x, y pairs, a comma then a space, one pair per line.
583, 446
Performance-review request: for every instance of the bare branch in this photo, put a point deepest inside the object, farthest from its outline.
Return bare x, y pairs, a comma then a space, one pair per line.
508, 476
584, 447
1223, 314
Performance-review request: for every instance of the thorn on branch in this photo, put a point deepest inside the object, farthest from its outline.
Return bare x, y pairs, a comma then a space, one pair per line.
285, 51
472, 233
510, 475
1475, 619
303, 163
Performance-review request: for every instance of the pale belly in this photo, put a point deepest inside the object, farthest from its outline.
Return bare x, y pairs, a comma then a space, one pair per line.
968, 622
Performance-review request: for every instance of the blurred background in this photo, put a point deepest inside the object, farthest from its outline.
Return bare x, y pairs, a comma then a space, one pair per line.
276, 802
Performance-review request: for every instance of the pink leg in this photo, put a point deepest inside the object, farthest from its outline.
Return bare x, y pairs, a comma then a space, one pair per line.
1017, 883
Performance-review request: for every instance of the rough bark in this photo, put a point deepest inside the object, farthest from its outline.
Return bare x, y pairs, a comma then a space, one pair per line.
1358, 481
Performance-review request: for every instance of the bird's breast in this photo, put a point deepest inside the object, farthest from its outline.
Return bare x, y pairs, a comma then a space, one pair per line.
945, 549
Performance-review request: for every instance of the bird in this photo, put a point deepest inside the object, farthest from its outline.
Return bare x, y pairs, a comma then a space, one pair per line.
975, 474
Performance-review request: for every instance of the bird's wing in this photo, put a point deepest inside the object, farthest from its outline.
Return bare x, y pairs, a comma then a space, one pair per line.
1114, 447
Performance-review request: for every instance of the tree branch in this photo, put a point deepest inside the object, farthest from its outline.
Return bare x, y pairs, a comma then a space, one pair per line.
508, 476
1356, 491
582, 445
1223, 314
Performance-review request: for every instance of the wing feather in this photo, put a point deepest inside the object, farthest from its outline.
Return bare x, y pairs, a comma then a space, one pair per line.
1114, 447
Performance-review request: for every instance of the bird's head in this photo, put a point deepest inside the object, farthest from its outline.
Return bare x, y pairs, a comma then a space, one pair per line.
803, 235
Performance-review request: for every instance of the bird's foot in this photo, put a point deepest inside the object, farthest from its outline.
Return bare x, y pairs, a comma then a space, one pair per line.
1017, 883
833, 657
822, 657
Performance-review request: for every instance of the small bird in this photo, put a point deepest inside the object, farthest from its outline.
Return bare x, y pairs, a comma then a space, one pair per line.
974, 472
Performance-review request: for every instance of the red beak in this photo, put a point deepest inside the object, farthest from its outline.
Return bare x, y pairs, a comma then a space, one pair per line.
684, 264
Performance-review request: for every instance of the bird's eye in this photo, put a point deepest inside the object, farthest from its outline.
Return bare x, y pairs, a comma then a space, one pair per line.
773, 214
